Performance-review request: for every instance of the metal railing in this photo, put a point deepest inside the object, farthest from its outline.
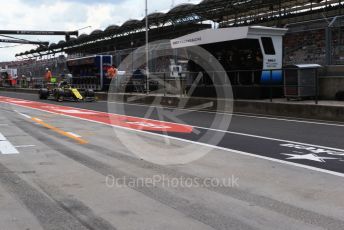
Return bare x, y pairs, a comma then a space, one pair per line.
244, 84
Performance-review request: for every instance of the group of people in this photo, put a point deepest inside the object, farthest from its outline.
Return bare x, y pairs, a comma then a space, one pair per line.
49, 78
8, 79
111, 73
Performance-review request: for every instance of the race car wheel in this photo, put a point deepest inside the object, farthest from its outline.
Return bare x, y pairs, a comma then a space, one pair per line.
43, 94
59, 95
89, 93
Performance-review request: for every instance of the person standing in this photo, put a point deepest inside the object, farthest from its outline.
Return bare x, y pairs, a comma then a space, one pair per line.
111, 72
111, 75
47, 76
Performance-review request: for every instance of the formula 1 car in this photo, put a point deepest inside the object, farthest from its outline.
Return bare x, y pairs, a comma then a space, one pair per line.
64, 92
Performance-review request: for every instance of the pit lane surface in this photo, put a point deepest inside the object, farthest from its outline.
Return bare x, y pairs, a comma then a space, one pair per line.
57, 182
316, 144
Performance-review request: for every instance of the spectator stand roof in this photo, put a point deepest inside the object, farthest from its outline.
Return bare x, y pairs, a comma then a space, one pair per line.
222, 11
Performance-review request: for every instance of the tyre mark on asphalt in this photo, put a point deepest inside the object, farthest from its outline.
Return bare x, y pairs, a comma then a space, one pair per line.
291, 211
76, 208
53, 210
288, 210
195, 211
47, 212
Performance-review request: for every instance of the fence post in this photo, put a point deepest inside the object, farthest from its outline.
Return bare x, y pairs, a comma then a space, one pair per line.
181, 85
316, 86
270, 85
164, 84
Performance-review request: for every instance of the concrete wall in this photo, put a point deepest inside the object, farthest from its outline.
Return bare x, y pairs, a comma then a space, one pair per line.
283, 109
329, 86
307, 111
331, 81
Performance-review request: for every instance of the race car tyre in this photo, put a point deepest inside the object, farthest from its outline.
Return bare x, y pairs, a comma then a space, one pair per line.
43, 94
59, 95
67, 93
89, 93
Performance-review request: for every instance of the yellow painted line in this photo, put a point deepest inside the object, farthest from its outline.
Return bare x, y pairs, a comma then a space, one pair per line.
59, 131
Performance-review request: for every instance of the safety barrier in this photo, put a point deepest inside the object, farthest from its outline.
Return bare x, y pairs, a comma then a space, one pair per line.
245, 84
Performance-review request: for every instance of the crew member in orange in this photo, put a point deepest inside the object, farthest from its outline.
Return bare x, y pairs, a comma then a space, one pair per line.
112, 72
48, 76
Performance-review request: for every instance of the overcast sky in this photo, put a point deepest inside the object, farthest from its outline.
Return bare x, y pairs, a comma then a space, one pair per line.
70, 15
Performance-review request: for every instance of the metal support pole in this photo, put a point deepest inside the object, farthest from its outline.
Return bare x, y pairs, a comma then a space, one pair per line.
147, 50
270, 83
328, 41
181, 86
316, 86
164, 84
132, 55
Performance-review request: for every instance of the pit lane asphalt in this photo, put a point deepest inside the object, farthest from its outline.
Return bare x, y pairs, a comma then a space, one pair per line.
263, 136
60, 184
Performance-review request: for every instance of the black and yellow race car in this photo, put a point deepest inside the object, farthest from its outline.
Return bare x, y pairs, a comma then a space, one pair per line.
65, 92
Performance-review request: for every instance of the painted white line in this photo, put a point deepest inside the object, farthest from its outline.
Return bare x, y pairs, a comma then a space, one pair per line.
256, 136
75, 111
290, 120
256, 116
22, 114
6, 147
203, 144
269, 138
74, 134
81, 109
236, 152
2, 137
230, 150
24, 146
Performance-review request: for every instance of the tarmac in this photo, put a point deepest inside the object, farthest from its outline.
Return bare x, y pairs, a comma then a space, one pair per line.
74, 172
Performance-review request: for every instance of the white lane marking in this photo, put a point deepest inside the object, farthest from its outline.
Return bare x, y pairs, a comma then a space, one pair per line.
149, 125
24, 146
301, 148
315, 122
74, 134
75, 111
202, 144
257, 116
22, 114
20, 101
225, 149
87, 110
269, 138
232, 151
6, 147
230, 132
291, 120
310, 157
2, 137
4, 124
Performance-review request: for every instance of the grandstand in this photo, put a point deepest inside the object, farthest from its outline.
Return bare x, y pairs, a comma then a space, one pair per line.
307, 41
317, 41
36, 68
187, 18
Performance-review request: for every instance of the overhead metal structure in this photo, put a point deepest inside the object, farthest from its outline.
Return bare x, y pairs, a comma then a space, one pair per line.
226, 12
38, 32
67, 34
18, 41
